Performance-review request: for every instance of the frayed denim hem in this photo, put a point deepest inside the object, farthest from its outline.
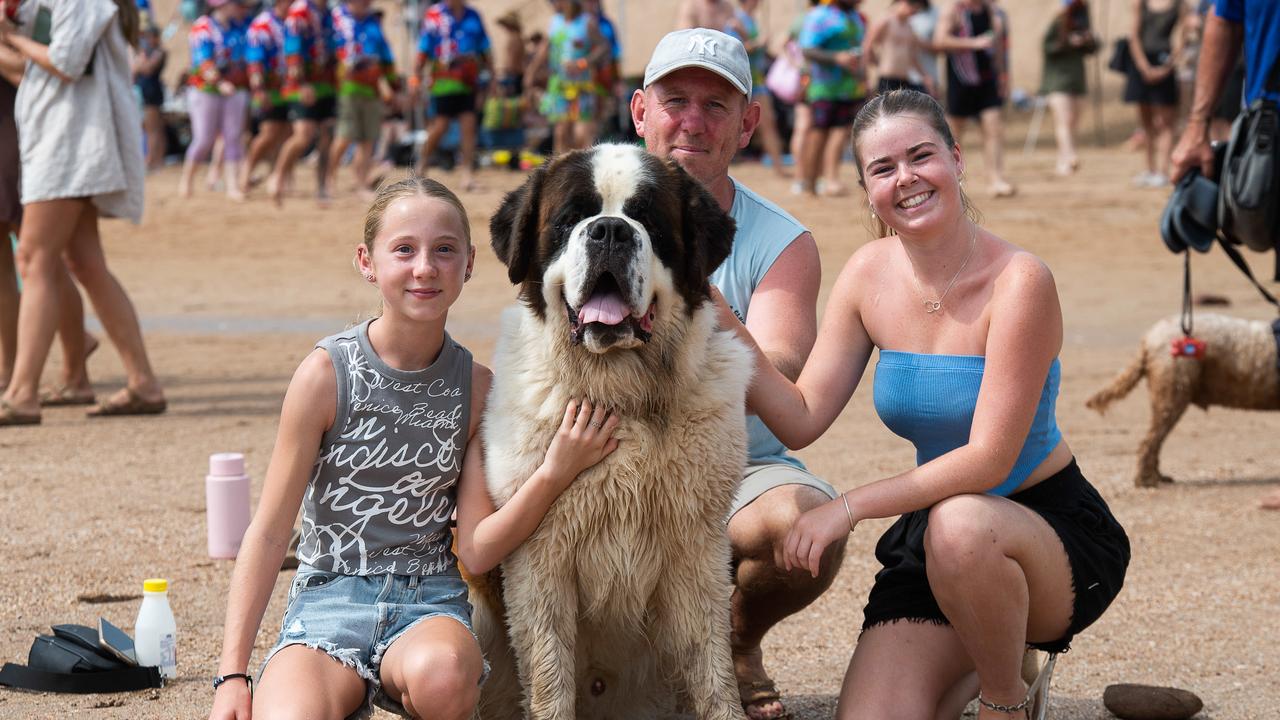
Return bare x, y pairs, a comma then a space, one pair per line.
349, 657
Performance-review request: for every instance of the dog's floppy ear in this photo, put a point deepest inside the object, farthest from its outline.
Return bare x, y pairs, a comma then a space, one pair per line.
513, 230
707, 230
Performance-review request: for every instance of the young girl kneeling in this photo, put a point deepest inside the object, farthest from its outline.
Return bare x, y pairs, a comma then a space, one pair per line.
378, 444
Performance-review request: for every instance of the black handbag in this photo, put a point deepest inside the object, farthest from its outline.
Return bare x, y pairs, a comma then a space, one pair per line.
71, 661
1247, 206
1120, 60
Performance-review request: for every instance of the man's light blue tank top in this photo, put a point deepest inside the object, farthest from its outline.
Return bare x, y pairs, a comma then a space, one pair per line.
764, 231
930, 399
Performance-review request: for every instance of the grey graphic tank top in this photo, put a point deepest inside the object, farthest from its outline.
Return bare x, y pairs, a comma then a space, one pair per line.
385, 482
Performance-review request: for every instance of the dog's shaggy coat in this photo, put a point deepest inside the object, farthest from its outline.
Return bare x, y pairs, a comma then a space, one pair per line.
1238, 370
623, 591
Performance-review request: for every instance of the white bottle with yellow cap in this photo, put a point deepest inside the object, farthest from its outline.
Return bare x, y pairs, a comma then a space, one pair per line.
155, 632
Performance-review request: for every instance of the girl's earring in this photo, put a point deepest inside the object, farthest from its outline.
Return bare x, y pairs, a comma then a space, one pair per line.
370, 277
467, 276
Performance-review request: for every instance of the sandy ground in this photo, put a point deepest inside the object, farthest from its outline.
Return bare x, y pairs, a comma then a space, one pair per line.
233, 296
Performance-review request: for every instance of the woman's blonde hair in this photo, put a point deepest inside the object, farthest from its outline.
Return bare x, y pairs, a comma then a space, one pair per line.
905, 102
410, 187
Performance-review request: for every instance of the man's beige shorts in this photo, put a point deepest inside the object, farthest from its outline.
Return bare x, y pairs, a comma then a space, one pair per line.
758, 479
359, 118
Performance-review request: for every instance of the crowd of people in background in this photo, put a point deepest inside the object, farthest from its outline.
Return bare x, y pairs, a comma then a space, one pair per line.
270, 82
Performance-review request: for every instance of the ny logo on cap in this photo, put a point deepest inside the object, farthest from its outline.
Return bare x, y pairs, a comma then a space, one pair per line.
703, 44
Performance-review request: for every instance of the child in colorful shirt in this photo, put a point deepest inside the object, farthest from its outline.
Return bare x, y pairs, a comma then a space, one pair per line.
310, 73
265, 55
453, 49
366, 79
573, 48
831, 40
217, 93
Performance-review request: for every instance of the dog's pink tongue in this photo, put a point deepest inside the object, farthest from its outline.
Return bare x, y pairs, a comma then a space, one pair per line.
606, 308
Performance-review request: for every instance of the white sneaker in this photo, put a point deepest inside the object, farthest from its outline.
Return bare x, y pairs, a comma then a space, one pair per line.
1150, 180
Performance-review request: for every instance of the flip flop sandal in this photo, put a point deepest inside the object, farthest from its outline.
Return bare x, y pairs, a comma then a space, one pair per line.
63, 396
760, 692
132, 405
10, 416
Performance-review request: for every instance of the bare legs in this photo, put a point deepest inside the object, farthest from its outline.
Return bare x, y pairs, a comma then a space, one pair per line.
153, 126
799, 136
768, 133
1002, 578
75, 342
305, 132
1066, 117
764, 594
359, 164
8, 306
991, 121
272, 135
50, 230
832, 155
433, 670
815, 140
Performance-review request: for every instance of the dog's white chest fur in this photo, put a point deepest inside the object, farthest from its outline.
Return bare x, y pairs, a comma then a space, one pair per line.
615, 537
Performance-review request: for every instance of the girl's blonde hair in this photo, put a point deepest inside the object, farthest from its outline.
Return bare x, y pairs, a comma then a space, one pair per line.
905, 102
410, 187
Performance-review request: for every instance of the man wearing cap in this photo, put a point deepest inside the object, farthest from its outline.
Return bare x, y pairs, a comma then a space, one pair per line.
695, 108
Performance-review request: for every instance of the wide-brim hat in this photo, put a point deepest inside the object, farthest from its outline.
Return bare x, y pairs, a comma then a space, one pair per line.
1190, 218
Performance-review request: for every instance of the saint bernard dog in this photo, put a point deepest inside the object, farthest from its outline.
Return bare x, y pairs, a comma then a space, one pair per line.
620, 599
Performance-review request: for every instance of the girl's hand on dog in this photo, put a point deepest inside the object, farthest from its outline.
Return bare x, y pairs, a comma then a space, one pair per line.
585, 438
813, 532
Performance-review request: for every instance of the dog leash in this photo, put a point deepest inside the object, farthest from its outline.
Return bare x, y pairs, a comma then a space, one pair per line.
1239, 261
1186, 320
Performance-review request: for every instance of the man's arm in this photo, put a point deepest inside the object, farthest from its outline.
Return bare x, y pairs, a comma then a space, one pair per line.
1218, 52
783, 316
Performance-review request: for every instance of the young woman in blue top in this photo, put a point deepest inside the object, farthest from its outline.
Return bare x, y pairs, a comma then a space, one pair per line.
1002, 543
378, 444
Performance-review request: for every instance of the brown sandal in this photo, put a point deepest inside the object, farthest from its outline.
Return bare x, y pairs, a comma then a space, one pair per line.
755, 693
9, 416
131, 405
63, 396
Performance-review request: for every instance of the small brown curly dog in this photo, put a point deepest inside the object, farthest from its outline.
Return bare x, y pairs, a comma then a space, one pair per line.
1238, 370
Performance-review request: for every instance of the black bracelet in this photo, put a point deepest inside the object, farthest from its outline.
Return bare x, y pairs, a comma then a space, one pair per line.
232, 676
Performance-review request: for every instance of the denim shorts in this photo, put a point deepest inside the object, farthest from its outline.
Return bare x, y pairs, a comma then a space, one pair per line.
355, 618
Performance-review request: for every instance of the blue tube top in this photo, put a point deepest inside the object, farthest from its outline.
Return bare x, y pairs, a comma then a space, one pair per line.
929, 400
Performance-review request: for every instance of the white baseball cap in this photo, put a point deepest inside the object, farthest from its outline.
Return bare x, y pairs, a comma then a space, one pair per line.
713, 50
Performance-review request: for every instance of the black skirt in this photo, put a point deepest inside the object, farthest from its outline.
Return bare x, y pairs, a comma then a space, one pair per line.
1097, 550
1137, 90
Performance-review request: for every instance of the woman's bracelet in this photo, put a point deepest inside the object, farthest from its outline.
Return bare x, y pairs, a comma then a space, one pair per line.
845, 498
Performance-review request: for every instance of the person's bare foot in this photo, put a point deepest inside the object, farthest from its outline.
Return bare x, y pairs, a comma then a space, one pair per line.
1002, 189
757, 691
275, 190
1270, 501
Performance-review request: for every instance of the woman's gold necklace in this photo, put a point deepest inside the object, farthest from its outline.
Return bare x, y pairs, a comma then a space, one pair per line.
933, 306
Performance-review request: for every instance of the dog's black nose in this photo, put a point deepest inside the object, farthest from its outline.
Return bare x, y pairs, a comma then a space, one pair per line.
611, 232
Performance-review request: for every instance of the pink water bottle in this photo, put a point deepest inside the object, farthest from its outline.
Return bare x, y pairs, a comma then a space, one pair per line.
226, 492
